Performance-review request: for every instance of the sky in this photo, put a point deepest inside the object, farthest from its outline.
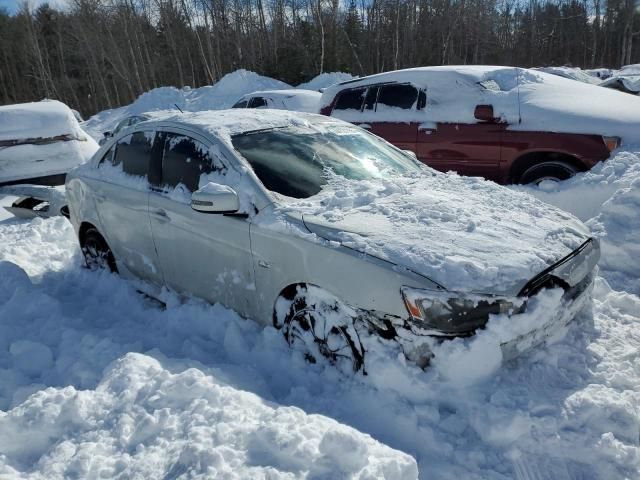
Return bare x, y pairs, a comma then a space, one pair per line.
12, 6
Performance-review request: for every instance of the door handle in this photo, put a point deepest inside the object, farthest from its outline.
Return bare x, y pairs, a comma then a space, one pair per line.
100, 197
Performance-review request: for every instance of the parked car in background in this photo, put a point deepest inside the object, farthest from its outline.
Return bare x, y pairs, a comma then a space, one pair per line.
626, 80
297, 100
571, 73
327, 232
40, 142
506, 124
124, 123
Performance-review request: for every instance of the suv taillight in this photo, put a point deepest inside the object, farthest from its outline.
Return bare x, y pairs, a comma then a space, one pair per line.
611, 142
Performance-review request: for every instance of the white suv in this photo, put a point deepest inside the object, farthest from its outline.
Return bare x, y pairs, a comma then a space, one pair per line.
318, 227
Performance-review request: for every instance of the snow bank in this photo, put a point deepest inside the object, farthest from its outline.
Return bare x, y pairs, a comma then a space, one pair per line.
568, 409
608, 198
325, 80
144, 421
223, 94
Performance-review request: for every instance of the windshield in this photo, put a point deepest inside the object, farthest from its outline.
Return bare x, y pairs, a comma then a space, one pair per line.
297, 162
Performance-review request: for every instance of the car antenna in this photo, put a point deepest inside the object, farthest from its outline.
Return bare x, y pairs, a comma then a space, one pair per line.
176, 105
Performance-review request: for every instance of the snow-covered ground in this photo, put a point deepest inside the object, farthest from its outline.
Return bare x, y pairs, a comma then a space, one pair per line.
97, 380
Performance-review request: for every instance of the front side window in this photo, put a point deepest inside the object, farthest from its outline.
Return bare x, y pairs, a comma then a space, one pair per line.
297, 162
133, 152
397, 96
350, 99
184, 160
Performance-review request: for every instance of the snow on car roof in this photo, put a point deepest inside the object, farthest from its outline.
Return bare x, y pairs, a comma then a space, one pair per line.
45, 119
226, 123
527, 100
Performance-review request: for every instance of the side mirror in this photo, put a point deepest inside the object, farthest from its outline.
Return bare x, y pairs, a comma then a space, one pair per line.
107, 134
484, 113
215, 198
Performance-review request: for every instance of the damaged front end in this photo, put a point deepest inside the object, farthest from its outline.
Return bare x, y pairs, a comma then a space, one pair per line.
546, 304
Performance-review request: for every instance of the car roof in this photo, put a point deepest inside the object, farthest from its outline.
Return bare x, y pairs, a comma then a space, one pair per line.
225, 123
419, 75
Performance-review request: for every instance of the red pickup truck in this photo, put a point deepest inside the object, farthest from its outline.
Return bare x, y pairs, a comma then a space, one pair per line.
507, 124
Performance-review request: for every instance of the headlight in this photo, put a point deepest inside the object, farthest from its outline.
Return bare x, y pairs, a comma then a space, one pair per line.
444, 314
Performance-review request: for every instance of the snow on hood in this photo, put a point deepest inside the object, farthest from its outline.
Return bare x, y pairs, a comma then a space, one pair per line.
527, 100
466, 234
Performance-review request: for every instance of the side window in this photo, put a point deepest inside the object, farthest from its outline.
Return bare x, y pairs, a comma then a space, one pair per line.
241, 104
134, 153
184, 161
370, 98
399, 96
350, 99
257, 102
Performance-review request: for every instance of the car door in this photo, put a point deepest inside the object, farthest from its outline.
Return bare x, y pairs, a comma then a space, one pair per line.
121, 192
202, 254
390, 113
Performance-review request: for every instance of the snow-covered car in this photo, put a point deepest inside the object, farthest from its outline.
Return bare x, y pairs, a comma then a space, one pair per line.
328, 232
507, 124
627, 83
40, 142
298, 100
570, 73
122, 124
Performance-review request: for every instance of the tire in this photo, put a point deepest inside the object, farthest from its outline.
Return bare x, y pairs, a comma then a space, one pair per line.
96, 252
554, 171
322, 327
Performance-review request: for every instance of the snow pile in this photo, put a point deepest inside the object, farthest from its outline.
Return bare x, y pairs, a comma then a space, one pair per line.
222, 94
325, 80
141, 420
608, 198
585, 193
565, 410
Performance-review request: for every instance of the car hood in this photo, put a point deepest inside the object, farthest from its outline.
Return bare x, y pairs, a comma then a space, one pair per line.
466, 234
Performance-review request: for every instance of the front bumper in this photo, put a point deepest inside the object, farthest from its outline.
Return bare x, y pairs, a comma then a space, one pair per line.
572, 302
539, 320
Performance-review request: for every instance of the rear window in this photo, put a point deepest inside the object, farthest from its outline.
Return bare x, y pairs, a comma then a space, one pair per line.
350, 99
398, 96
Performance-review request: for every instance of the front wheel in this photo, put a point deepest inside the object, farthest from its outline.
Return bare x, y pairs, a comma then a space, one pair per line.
96, 252
320, 326
548, 171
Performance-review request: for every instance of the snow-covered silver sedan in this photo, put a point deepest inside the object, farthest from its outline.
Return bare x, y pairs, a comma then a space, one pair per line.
328, 232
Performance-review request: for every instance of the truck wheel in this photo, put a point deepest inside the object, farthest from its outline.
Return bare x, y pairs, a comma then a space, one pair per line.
96, 252
553, 171
320, 326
